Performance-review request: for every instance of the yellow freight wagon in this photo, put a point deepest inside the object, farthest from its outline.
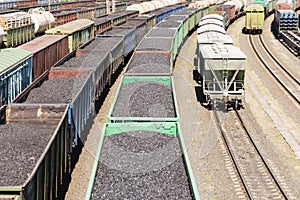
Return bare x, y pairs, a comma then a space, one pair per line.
254, 22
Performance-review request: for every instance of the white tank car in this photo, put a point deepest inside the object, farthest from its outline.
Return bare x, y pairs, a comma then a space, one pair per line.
42, 19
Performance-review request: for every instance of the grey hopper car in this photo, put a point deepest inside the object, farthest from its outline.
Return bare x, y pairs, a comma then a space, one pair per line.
223, 70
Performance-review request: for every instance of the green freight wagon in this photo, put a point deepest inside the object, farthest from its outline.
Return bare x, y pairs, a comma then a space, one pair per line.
17, 36
164, 32
79, 32
145, 99
185, 24
264, 4
151, 159
191, 17
18, 28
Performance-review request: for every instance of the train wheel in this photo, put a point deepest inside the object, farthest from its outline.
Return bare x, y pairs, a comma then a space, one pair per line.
213, 105
236, 105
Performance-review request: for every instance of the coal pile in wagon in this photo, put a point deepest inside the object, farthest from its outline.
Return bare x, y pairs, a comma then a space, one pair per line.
149, 63
103, 44
141, 165
155, 44
162, 32
118, 31
87, 61
21, 147
57, 90
145, 99
169, 24
132, 22
178, 18
93, 54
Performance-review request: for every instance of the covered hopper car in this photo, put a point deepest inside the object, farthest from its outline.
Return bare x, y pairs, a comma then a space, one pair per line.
223, 71
221, 67
254, 21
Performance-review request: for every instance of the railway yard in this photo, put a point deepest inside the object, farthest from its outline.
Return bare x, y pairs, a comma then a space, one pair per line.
269, 119
164, 105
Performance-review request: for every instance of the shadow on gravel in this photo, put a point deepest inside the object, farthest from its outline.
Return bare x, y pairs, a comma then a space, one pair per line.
67, 177
198, 89
197, 77
200, 95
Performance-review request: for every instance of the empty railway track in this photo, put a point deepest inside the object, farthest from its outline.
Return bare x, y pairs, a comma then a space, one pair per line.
286, 79
256, 177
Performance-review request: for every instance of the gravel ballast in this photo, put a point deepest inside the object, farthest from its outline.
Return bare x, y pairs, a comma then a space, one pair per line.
141, 165
21, 147
145, 99
57, 90
150, 63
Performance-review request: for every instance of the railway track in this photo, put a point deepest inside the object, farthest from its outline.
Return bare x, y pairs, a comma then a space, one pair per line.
256, 177
286, 79
292, 41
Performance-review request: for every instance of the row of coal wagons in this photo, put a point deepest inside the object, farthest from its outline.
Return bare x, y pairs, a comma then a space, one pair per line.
75, 85
142, 144
63, 97
22, 65
47, 49
221, 65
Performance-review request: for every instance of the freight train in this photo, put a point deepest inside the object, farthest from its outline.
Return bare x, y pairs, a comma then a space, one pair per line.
18, 27
41, 20
66, 114
145, 103
232, 9
47, 50
28, 4
260, 9
85, 77
220, 64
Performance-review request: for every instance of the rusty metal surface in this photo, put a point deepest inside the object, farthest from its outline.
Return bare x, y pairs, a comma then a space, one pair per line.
42, 42
35, 113
47, 50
